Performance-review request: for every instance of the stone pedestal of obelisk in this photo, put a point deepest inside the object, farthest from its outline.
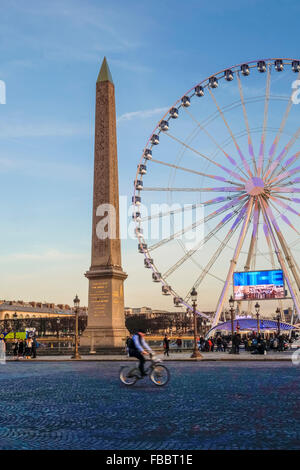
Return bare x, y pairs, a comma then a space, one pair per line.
106, 322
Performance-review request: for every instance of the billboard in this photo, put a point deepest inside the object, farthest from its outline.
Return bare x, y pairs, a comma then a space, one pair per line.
258, 285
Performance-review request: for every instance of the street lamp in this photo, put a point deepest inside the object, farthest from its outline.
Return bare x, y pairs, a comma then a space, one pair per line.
57, 332
196, 354
57, 326
257, 308
76, 308
15, 316
231, 305
278, 317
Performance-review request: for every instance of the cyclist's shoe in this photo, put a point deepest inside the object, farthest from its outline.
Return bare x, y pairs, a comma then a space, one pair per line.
144, 374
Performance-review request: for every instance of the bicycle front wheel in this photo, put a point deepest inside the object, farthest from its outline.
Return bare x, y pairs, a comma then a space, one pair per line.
160, 375
128, 375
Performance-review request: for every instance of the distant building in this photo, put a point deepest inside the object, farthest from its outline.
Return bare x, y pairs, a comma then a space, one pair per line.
163, 321
11, 309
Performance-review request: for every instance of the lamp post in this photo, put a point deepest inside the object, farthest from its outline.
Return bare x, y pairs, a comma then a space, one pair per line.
257, 308
57, 332
231, 305
278, 317
76, 308
196, 353
15, 316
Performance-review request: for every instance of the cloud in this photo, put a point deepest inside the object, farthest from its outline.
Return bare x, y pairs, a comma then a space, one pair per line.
47, 256
141, 114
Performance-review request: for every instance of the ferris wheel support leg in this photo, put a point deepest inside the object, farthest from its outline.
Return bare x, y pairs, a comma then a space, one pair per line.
291, 263
267, 235
233, 263
280, 258
252, 249
287, 253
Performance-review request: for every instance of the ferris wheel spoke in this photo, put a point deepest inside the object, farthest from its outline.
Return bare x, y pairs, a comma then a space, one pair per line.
215, 177
250, 143
159, 215
191, 252
286, 184
289, 162
188, 207
245, 163
229, 158
184, 144
205, 219
234, 260
285, 175
216, 255
285, 190
281, 129
253, 236
292, 199
263, 136
270, 219
285, 219
273, 168
200, 190
271, 254
268, 239
284, 205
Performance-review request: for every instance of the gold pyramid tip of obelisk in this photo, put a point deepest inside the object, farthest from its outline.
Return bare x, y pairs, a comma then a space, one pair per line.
104, 74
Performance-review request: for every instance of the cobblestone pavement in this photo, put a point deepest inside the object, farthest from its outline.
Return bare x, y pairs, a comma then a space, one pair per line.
223, 405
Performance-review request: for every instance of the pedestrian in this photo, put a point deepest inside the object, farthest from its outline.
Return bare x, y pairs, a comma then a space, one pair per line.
236, 341
127, 344
166, 344
21, 349
28, 347
2, 348
34, 348
224, 344
15, 349
179, 344
219, 344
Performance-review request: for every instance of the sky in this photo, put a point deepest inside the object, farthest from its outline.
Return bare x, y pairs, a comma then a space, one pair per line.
50, 55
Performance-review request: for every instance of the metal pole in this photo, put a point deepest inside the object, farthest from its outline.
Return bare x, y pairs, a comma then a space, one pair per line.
196, 353
232, 328
76, 352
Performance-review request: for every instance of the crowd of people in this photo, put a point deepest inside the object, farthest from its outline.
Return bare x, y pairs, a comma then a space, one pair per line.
253, 343
25, 349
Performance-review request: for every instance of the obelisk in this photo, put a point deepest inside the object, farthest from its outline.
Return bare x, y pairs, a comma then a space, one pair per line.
106, 322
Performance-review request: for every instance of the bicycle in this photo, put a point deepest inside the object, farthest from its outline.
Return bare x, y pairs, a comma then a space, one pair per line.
157, 372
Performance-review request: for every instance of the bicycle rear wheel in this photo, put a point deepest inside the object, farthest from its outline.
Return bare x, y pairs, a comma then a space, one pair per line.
128, 375
160, 375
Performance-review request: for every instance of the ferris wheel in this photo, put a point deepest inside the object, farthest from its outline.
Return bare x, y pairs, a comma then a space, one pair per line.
225, 159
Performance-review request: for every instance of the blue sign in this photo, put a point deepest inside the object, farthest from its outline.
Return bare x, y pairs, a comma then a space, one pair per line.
259, 278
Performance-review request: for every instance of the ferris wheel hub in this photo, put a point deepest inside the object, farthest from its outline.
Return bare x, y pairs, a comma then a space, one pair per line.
255, 186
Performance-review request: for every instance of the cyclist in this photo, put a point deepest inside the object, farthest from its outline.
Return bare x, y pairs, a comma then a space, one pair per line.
138, 347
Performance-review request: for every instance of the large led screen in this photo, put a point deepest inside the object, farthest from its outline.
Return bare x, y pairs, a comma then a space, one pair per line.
258, 285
